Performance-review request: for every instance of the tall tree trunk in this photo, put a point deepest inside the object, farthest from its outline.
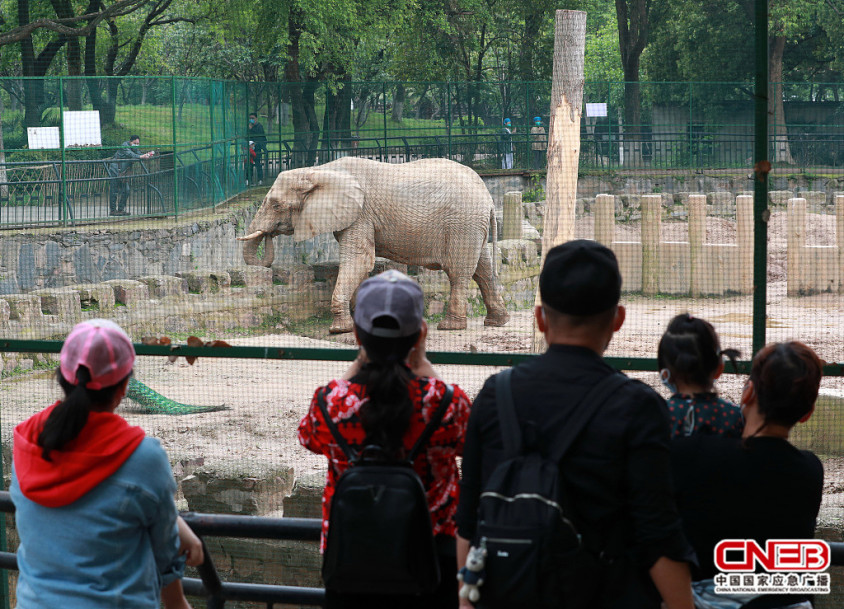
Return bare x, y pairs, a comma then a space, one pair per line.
398, 102
632, 17
303, 105
530, 33
563, 136
776, 108
73, 99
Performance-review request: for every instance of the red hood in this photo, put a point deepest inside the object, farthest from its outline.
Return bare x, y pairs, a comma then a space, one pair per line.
104, 444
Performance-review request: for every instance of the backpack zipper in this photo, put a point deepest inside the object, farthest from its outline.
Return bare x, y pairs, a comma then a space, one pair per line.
536, 496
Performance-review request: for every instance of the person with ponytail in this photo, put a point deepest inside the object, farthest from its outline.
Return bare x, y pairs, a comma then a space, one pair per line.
758, 486
386, 398
93, 496
690, 360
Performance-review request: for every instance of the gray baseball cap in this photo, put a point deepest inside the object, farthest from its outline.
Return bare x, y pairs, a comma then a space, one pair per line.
390, 294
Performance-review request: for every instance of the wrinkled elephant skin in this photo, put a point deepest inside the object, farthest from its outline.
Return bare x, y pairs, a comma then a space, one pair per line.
433, 213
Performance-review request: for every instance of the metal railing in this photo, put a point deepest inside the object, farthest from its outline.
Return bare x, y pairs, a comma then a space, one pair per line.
209, 586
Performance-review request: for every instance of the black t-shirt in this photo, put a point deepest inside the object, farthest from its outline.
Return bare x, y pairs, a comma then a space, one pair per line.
760, 488
616, 475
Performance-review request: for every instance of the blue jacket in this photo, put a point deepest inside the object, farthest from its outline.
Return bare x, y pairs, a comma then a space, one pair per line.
113, 548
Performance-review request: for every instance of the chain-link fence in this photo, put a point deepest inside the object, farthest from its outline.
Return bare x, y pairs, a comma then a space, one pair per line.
61, 136
668, 189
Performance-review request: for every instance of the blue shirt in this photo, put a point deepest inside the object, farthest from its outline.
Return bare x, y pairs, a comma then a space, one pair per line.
113, 548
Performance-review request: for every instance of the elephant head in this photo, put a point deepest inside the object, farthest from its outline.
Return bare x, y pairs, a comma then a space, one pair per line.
304, 203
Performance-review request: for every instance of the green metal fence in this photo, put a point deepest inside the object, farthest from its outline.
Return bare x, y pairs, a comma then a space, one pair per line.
198, 130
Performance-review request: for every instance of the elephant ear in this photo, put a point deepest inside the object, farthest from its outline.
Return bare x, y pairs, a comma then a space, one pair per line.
333, 203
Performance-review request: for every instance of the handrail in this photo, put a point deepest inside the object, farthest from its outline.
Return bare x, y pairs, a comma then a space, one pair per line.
209, 585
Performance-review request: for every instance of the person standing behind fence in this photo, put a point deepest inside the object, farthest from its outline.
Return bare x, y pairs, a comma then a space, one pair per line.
118, 171
759, 486
257, 135
505, 144
690, 360
93, 496
538, 143
616, 475
387, 398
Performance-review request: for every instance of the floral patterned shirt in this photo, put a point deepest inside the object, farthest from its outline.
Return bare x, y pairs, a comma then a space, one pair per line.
436, 464
704, 413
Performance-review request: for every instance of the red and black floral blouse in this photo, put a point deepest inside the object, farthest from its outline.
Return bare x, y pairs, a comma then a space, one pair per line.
436, 465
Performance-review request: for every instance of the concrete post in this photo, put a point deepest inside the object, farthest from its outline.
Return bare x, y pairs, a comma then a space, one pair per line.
839, 239
796, 242
605, 219
513, 215
651, 221
744, 241
698, 277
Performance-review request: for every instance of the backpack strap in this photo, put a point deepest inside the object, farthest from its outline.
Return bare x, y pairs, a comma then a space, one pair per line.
432, 425
507, 420
351, 455
586, 409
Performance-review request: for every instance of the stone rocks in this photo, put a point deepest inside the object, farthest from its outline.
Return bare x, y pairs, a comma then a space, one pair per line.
202, 282
160, 286
251, 276
127, 291
95, 297
65, 303
23, 307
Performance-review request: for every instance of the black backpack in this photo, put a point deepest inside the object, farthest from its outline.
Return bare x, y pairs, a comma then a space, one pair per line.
522, 522
380, 539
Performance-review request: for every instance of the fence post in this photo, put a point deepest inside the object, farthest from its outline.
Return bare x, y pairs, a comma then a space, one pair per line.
386, 147
175, 151
796, 243
651, 221
513, 214
697, 236
213, 173
744, 240
63, 186
448, 116
839, 238
605, 219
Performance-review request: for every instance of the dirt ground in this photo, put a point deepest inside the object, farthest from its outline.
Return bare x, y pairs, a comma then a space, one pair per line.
265, 399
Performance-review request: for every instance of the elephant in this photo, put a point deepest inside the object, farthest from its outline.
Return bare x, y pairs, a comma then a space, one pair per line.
433, 213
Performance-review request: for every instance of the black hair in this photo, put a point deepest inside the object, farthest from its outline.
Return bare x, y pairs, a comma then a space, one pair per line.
691, 351
68, 418
385, 377
132, 138
252, 114
786, 378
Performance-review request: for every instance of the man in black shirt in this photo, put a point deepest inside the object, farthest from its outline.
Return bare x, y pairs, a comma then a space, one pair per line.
616, 475
257, 135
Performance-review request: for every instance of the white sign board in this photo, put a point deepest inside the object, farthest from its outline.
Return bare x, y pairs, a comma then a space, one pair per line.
595, 110
82, 128
42, 138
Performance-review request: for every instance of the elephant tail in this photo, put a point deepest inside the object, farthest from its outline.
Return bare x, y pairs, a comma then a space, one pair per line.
493, 227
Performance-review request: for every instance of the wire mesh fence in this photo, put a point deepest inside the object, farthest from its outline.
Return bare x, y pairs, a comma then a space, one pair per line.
671, 194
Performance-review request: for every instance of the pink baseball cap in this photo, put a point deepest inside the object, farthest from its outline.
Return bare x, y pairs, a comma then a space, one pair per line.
101, 346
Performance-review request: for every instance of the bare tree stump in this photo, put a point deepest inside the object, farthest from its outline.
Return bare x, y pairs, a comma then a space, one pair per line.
796, 242
563, 136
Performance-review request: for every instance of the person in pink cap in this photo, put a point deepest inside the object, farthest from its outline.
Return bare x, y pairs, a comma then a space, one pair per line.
93, 495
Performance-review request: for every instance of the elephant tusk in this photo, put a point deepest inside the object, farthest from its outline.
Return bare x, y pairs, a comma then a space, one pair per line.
254, 235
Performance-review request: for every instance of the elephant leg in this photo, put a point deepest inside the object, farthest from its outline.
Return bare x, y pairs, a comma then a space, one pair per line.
357, 259
496, 311
455, 314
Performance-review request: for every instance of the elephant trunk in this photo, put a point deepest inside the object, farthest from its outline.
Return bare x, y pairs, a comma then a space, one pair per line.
250, 250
